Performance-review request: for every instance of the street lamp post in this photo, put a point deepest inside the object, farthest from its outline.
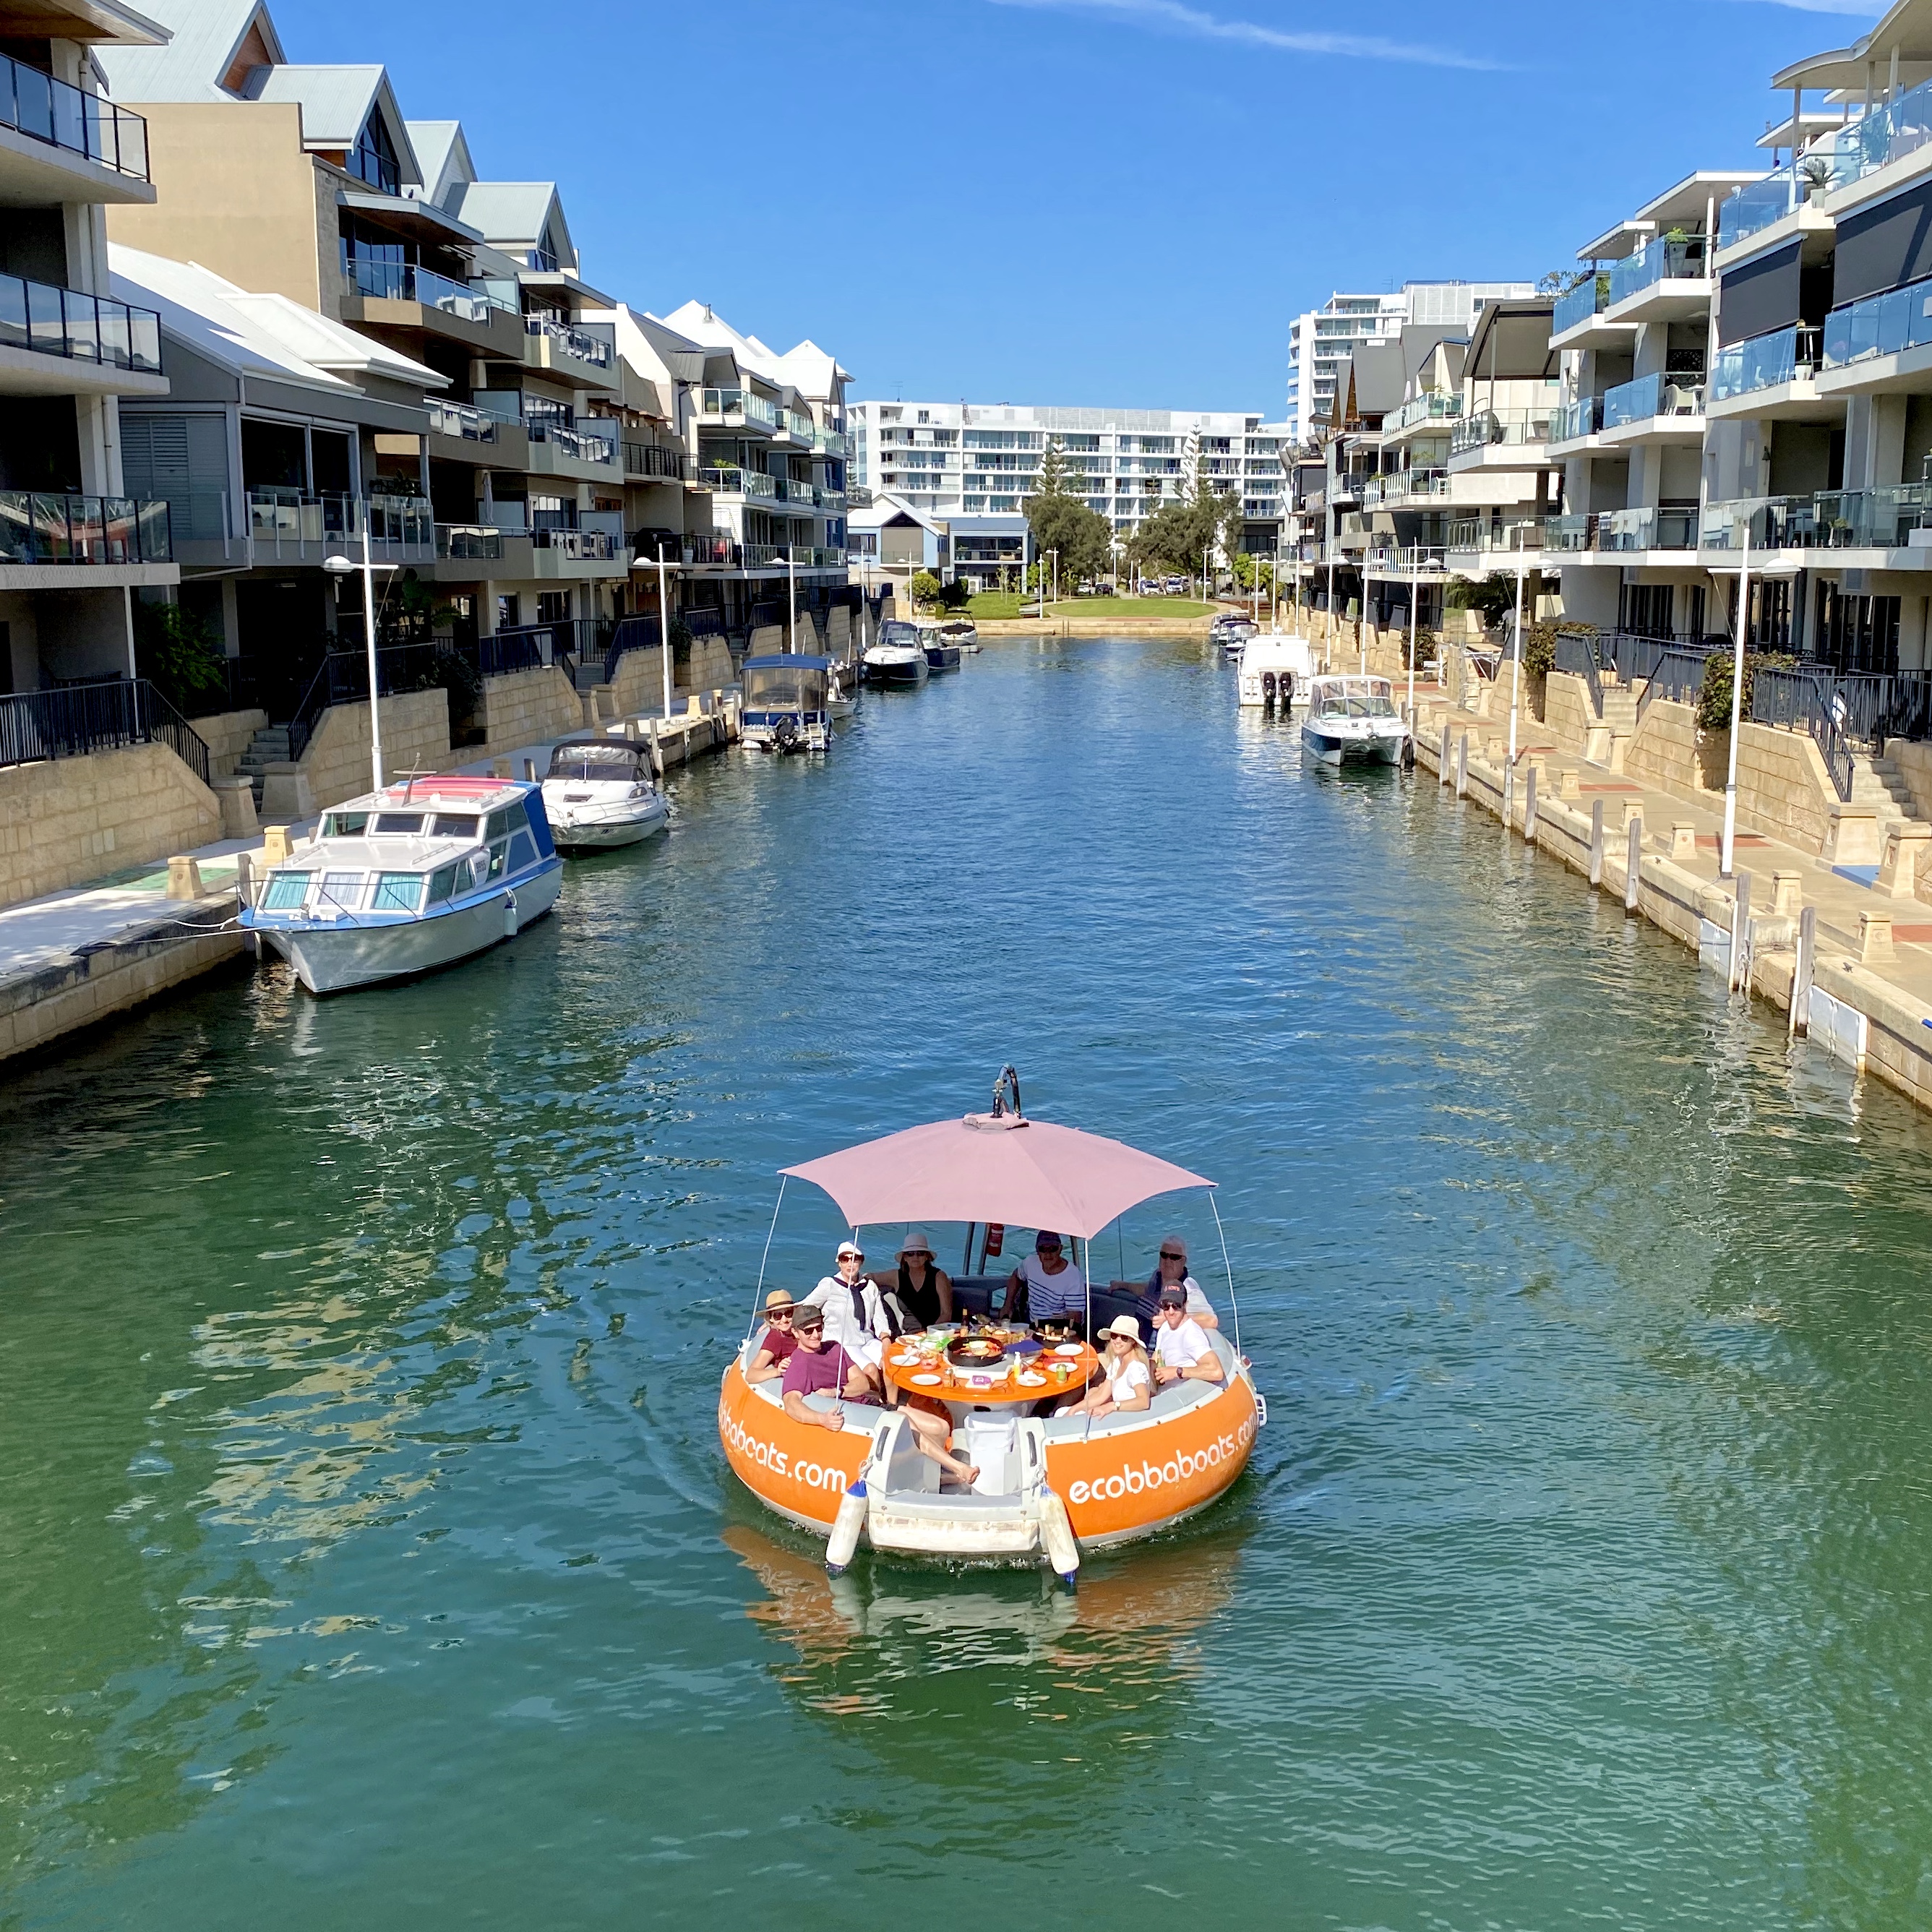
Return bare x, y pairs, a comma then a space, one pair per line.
664, 626
341, 566
1515, 691
791, 603
1737, 707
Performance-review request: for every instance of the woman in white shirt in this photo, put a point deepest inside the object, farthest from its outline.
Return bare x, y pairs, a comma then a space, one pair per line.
1129, 1382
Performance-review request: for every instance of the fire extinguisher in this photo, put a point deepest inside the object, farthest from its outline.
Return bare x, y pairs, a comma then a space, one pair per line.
996, 1234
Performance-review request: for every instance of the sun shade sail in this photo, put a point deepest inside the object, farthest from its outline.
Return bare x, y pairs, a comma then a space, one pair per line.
1031, 1175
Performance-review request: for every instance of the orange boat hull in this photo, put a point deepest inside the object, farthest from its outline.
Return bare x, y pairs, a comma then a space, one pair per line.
1125, 1483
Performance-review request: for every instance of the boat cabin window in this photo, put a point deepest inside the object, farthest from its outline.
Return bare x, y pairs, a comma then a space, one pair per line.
344, 824
510, 819
613, 761
341, 892
442, 882
391, 824
449, 825
397, 892
286, 891
523, 851
784, 687
896, 631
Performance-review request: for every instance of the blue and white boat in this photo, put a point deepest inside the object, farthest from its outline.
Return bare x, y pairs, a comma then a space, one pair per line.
787, 704
408, 879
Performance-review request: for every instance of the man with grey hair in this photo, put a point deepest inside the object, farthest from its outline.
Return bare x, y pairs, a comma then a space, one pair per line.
1171, 1271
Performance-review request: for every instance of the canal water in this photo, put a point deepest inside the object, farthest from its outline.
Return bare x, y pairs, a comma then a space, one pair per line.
366, 1557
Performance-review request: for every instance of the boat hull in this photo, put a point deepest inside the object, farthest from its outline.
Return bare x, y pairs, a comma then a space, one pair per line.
339, 959
1135, 1480
1334, 748
606, 834
899, 676
941, 658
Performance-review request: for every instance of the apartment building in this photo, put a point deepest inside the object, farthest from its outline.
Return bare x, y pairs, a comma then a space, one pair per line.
975, 465
76, 544
1322, 340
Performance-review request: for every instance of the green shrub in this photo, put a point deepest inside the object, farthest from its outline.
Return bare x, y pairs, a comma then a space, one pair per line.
181, 657
1713, 694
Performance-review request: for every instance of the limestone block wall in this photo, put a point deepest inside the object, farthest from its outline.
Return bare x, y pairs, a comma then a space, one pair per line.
1915, 766
1783, 788
526, 707
67, 820
711, 666
1664, 752
227, 734
1567, 712
639, 686
416, 736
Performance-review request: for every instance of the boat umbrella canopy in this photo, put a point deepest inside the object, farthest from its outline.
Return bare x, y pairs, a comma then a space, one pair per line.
1023, 1173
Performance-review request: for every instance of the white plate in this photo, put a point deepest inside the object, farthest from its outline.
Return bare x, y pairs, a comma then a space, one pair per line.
1033, 1381
904, 1361
1068, 1349
928, 1381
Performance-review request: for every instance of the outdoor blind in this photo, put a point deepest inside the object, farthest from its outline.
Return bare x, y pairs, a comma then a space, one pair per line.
1760, 296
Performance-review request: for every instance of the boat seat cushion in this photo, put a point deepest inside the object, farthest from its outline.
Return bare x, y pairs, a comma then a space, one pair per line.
864, 1415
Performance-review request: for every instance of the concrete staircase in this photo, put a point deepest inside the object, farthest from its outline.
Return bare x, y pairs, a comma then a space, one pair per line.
1619, 711
1876, 782
269, 746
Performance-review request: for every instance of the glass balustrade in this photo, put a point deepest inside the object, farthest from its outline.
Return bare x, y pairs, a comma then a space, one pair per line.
85, 328
1662, 258
577, 342
1575, 421
741, 403
1881, 325
1887, 133
1765, 362
1657, 394
36, 104
405, 281
1591, 296
1755, 206
43, 527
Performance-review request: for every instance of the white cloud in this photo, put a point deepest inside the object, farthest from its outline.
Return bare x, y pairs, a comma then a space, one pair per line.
1173, 17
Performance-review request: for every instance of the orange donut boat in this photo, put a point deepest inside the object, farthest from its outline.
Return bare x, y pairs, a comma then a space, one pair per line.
1049, 1486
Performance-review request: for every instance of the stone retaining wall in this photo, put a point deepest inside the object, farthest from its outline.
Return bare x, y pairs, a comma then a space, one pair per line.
67, 820
1567, 715
227, 734
524, 707
415, 737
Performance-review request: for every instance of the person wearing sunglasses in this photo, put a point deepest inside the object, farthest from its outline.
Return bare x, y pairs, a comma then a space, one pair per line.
1171, 1271
776, 1344
1126, 1384
855, 1318
1046, 1286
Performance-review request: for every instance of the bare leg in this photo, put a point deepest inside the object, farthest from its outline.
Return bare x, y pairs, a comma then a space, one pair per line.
934, 1435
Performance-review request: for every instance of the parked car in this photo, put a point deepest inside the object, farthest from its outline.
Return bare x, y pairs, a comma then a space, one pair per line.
1175, 586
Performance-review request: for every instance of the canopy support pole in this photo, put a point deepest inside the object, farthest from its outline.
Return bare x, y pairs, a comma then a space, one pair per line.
758, 1295
1227, 1268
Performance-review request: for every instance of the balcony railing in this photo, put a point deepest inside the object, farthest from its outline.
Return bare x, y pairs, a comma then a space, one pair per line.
34, 104
1888, 133
742, 404
1755, 206
290, 519
84, 328
78, 718
802, 426
754, 556
403, 281
817, 557
652, 459
1496, 429
1575, 421
1658, 394
1651, 528
1788, 355
1591, 296
1770, 522
580, 444
1659, 260
713, 549
832, 442
41, 528
1432, 406
1885, 325
468, 542
1880, 519
585, 348
803, 495
464, 420
1479, 533
737, 482
584, 546
832, 502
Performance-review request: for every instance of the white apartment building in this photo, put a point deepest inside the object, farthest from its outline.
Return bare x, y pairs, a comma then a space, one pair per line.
974, 465
1320, 340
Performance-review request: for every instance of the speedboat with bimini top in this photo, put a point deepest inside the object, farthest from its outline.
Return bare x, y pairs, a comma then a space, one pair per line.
962, 632
898, 658
599, 793
942, 653
787, 703
414, 876
1352, 720
1230, 630
1040, 1473
1276, 670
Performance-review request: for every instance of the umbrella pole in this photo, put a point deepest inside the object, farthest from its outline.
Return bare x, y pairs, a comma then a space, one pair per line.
758, 1294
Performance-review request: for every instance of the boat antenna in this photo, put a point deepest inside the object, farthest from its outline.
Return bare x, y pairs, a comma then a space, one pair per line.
1008, 1081
758, 1294
1227, 1269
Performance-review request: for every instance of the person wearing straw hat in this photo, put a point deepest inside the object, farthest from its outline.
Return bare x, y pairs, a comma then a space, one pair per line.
776, 1344
920, 1291
1129, 1382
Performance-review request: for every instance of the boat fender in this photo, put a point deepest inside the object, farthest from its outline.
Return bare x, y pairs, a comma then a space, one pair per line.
509, 915
1056, 1536
845, 1528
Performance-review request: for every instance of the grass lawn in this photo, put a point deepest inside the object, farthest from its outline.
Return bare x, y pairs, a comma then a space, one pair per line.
1007, 604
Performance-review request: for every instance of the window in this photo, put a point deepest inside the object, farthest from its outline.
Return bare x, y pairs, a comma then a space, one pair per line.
397, 892
442, 883
373, 158
552, 607
507, 615
341, 892
345, 824
286, 891
448, 826
1857, 634
523, 851
403, 824
510, 819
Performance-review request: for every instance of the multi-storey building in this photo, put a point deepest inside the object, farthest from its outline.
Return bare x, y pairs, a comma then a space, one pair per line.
974, 466
75, 543
1322, 340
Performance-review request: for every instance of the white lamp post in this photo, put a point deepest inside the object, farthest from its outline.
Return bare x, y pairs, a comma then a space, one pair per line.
1737, 706
791, 604
1414, 598
341, 566
664, 625
1516, 692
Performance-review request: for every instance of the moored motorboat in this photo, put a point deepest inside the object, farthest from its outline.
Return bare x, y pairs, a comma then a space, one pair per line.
599, 793
963, 632
787, 703
1231, 632
408, 879
1046, 1486
942, 654
1352, 719
1276, 670
898, 658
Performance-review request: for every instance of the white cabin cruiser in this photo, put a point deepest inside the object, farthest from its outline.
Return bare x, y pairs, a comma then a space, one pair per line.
1231, 632
963, 632
899, 656
1353, 719
408, 879
599, 793
942, 653
1277, 670
787, 703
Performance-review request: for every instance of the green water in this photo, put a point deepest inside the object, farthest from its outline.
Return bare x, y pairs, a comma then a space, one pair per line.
366, 1557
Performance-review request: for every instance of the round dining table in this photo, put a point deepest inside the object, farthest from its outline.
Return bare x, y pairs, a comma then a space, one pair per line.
1010, 1379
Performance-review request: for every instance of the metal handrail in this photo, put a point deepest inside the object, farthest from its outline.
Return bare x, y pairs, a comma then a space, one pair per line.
78, 718
1576, 655
1677, 673
1820, 705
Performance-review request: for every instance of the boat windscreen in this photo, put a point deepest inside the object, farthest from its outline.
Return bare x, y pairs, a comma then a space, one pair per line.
784, 687
898, 633
410, 822
615, 760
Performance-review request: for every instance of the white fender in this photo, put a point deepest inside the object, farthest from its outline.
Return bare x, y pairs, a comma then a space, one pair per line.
845, 1528
509, 915
1056, 1536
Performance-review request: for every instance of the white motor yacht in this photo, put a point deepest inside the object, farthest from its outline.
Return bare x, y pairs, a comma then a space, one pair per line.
1277, 670
1353, 719
599, 793
414, 876
898, 658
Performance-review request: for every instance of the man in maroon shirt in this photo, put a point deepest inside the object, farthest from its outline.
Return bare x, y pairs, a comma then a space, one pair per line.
815, 1364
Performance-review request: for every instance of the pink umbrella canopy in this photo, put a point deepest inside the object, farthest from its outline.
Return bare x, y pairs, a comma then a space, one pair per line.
1025, 1173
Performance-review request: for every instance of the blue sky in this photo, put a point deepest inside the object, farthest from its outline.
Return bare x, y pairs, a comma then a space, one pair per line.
1108, 202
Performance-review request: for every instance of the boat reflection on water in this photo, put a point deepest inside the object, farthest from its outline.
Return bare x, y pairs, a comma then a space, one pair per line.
898, 1643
